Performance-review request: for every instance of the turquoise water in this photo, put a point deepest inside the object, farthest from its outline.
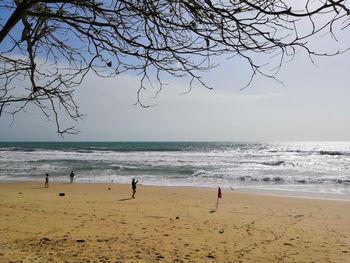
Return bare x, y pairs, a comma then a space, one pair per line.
319, 167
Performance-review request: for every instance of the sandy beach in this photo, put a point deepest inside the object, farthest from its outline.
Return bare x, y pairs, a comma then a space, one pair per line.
101, 223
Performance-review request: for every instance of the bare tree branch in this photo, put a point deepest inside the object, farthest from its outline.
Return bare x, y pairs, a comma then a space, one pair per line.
47, 47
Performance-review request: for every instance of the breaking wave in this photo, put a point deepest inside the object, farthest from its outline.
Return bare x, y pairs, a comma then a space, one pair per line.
300, 166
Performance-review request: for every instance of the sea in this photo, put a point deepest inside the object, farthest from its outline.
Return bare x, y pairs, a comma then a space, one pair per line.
304, 167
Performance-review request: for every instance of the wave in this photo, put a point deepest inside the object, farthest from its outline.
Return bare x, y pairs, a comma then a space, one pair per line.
101, 146
275, 179
141, 149
333, 153
58, 161
274, 163
312, 152
198, 173
247, 178
323, 181
96, 149
342, 181
298, 181
266, 179
190, 164
268, 163
18, 149
165, 170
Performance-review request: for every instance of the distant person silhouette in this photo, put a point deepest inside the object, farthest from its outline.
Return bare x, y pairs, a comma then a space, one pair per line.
47, 181
133, 186
71, 177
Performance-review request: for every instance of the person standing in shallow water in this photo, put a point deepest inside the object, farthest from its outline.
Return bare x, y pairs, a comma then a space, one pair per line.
47, 181
71, 177
133, 186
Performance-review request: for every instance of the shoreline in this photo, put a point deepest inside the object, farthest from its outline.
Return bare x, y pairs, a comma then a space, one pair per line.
239, 189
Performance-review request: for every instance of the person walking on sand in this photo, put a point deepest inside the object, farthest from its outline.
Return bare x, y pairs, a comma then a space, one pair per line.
71, 177
133, 186
47, 181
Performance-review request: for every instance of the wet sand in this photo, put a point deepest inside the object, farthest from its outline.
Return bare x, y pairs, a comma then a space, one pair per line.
167, 224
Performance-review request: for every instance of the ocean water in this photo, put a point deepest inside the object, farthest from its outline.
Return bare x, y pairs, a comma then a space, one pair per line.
310, 167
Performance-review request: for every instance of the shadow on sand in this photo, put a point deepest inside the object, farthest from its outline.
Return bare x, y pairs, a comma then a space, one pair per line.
125, 199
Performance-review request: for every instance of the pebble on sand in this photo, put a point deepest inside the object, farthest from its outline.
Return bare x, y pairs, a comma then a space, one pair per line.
45, 239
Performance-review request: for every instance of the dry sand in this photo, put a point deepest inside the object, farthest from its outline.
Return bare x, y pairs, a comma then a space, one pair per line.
167, 224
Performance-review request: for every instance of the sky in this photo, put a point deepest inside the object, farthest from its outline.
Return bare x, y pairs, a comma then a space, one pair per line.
312, 105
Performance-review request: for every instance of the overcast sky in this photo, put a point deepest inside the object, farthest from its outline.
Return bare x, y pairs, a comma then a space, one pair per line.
313, 105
